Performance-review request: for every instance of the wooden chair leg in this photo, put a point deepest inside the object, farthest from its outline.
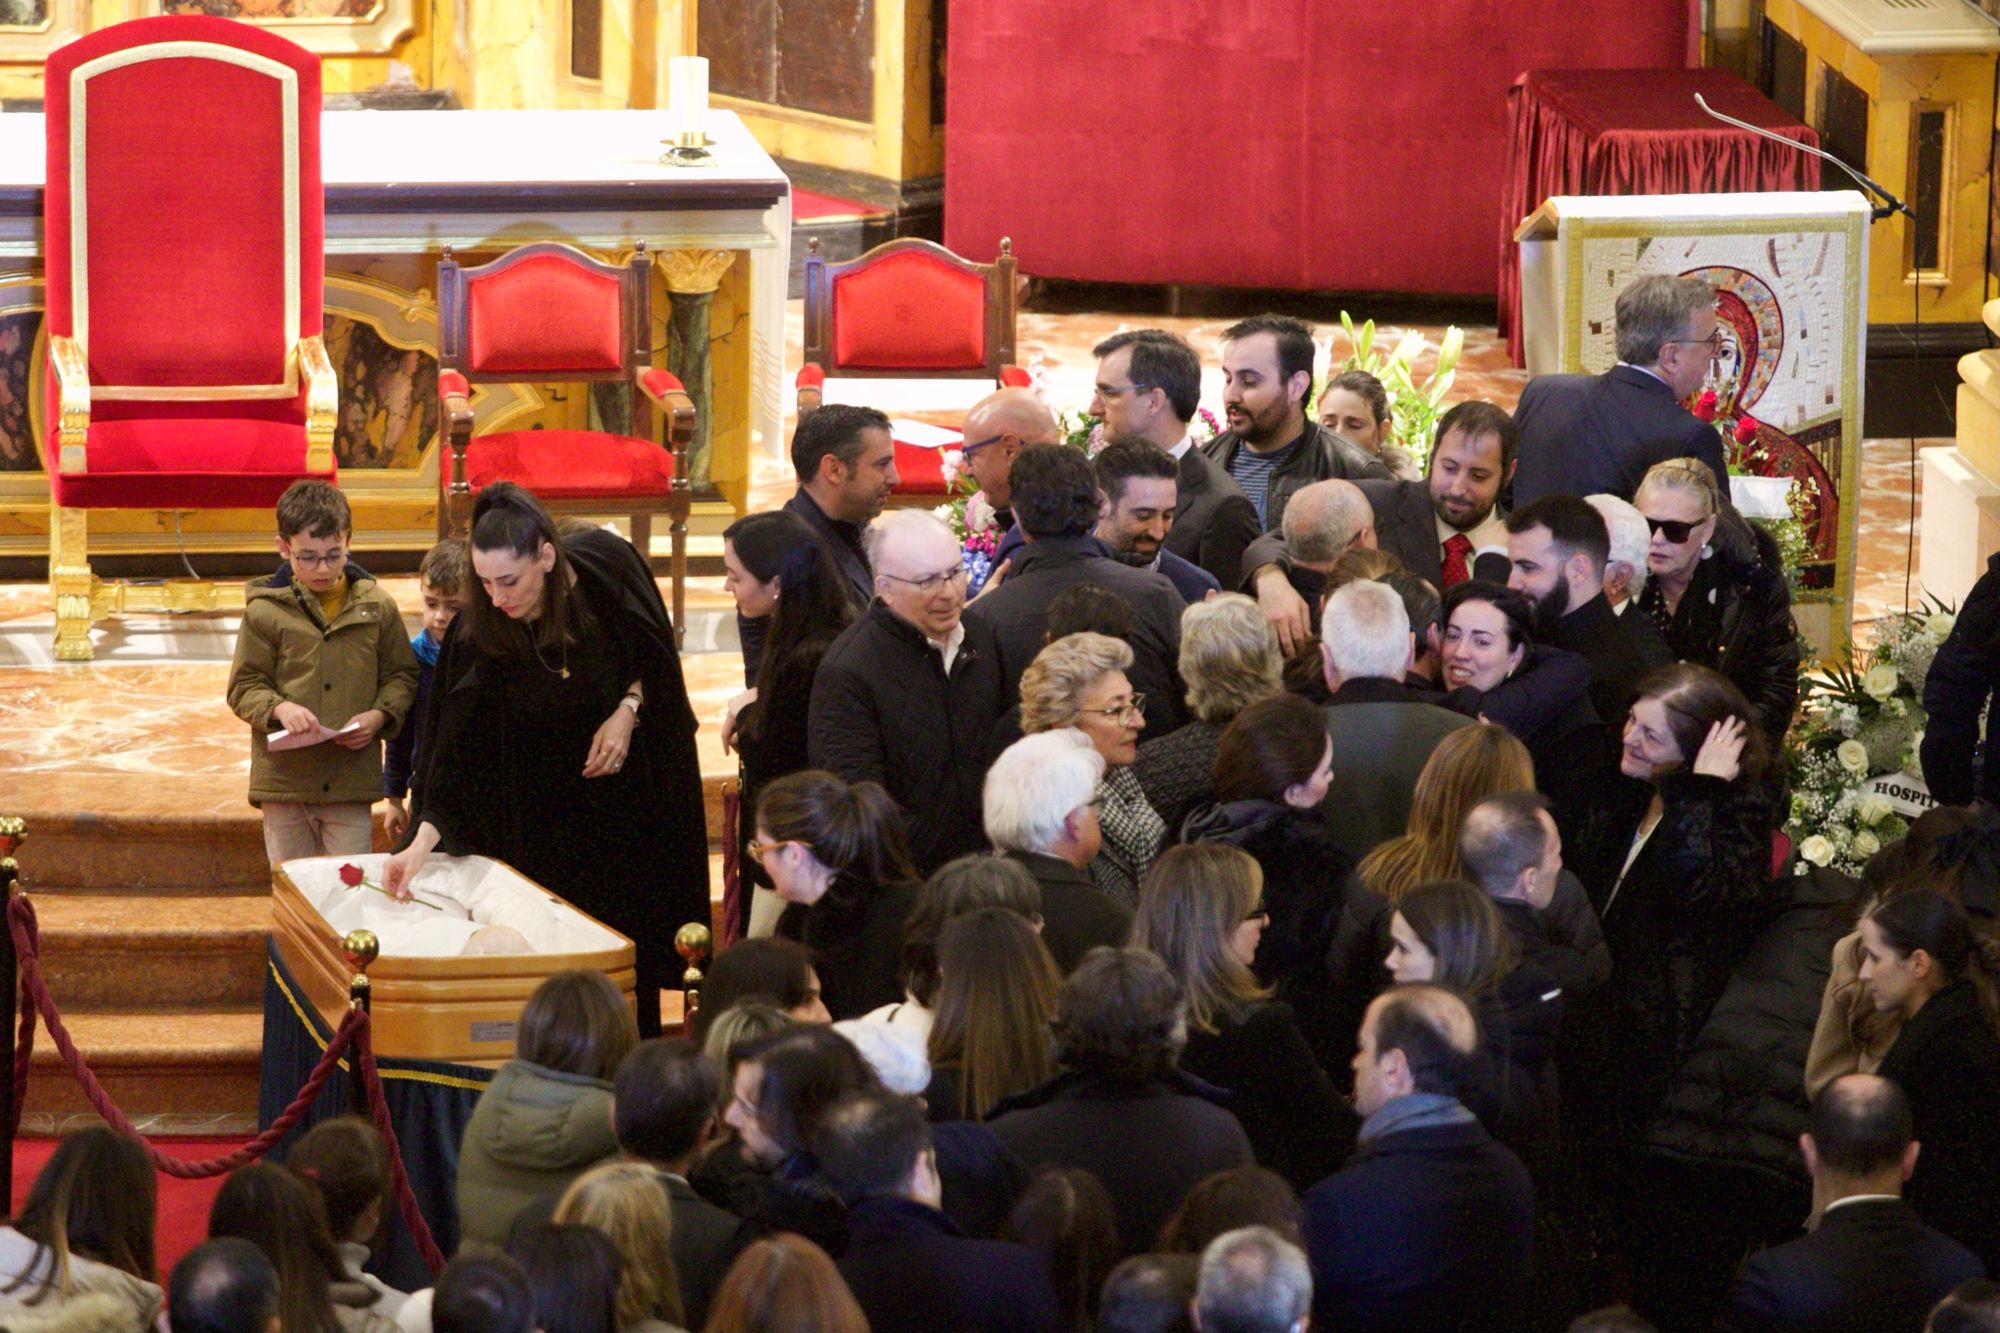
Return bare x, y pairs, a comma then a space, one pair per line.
642, 537
678, 566
70, 582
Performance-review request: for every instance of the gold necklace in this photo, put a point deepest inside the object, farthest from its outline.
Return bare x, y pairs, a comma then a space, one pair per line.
559, 671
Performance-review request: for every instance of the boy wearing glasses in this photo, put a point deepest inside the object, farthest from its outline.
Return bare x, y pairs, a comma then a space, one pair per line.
322, 659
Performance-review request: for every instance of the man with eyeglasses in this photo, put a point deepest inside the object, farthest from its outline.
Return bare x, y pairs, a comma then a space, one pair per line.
908, 695
1057, 504
1582, 434
1149, 385
997, 429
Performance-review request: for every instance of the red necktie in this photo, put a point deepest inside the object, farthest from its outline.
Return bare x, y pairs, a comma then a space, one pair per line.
1457, 566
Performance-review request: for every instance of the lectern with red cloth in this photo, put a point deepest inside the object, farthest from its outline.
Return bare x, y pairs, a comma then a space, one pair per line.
184, 228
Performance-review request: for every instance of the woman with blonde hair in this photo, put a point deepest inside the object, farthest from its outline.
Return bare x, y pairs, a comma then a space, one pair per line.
996, 997
1230, 660
1467, 766
1202, 911
784, 1285
1080, 681
1717, 589
627, 1202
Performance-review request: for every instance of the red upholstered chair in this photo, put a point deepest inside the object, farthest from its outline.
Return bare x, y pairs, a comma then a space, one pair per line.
551, 312
908, 309
184, 232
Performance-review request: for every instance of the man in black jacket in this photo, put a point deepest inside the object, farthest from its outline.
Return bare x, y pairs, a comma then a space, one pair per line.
1963, 677
1871, 1264
845, 458
1581, 434
1149, 385
1431, 1224
1559, 546
1040, 812
910, 1268
1270, 448
908, 694
1056, 505
1512, 849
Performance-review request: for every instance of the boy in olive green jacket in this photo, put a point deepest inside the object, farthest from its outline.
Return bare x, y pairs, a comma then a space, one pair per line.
322, 655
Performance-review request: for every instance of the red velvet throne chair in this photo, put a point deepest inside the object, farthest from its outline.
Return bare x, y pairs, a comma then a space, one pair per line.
184, 227
550, 312
908, 309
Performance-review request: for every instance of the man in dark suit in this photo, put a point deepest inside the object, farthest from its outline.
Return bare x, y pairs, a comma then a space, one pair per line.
1056, 505
1140, 490
910, 1268
1149, 384
1559, 546
1445, 528
1581, 434
1271, 448
1431, 1223
1963, 677
1040, 811
845, 459
908, 695
1383, 733
1871, 1265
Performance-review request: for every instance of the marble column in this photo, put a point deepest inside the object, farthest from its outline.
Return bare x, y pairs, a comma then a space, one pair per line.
692, 277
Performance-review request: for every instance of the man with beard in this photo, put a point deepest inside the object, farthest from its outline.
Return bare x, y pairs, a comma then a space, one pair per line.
1270, 448
1558, 547
1445, 528
1149, 385
1141, 487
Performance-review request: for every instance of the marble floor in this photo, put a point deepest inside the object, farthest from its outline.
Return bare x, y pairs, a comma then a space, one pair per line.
145, 726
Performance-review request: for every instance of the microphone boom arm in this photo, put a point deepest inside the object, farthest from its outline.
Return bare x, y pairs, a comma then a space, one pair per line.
1890, 205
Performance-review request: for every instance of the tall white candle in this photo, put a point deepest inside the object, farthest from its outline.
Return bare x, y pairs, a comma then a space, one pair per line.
687, 96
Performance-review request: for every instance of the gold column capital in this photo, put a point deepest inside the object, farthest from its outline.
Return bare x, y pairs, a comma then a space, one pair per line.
694, 272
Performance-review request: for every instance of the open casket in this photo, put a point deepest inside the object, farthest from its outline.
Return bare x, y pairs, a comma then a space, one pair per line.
430, 999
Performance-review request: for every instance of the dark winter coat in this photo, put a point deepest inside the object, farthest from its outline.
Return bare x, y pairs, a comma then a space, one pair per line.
1298, 1124
1962, 679
912, 1271
1174, 770
1077, 916
1871, 1266
1947, 1062
855, 933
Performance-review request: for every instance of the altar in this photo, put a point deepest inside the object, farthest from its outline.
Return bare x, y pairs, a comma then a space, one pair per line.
401, 186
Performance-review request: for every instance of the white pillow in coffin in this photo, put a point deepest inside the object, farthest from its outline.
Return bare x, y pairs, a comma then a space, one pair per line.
474, 892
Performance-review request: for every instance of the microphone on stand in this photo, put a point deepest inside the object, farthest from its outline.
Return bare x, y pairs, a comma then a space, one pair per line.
1890, 205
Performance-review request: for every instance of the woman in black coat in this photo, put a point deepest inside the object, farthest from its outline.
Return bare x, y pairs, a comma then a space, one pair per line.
1717, 590
1922, 960
1202, 911
836, 855
1676, 855
1271, 772
775, 568
558, 737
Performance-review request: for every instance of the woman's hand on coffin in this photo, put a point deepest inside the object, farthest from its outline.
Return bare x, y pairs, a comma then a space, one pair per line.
396, 818
401, 869
611, 744
367, 726
731, 713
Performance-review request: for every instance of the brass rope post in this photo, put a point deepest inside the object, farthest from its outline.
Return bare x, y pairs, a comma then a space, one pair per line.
361, 949
692, 942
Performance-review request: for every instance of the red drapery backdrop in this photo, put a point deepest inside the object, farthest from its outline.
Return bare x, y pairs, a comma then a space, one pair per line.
1273, 143
1628, 131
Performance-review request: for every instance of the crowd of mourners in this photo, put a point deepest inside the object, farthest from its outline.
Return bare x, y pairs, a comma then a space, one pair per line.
1297, 889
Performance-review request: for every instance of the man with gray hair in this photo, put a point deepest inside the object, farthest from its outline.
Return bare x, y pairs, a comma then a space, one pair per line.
1631, 541
1586, 433
1040, 808
1253, 1281
1383, 733
908, 694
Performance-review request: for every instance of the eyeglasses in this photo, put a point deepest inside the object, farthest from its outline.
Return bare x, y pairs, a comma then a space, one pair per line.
1257, 913
969, 450
1672, 529
931, 583
331, 560
758, 850
1713, 342
1119, 712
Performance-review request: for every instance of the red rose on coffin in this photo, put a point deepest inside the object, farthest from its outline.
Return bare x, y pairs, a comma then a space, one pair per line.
1704, 406
1746, 429
351, 876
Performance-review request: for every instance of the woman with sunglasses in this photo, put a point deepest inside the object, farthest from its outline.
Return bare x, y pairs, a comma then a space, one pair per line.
1717, 590
1080, 681
836, 855
1202, 912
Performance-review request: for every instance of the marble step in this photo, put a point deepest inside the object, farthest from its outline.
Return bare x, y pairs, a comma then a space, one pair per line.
129, 951
196, 1065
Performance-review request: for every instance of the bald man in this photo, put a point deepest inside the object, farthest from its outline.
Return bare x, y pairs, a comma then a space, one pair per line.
1431, 1223
908, 694
1286, 570
999, 426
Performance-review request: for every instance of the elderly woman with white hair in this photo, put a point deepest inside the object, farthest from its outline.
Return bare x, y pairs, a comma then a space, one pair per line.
1041, 811
1079, 681
1229, 660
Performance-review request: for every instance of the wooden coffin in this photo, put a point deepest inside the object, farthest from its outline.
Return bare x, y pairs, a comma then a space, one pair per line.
429, 1001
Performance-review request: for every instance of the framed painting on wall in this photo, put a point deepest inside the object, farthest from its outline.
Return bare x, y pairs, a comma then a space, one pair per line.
329, 27
30, 29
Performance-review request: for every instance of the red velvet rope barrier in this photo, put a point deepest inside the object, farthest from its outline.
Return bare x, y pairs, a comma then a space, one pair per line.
352, 1033
735, 912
